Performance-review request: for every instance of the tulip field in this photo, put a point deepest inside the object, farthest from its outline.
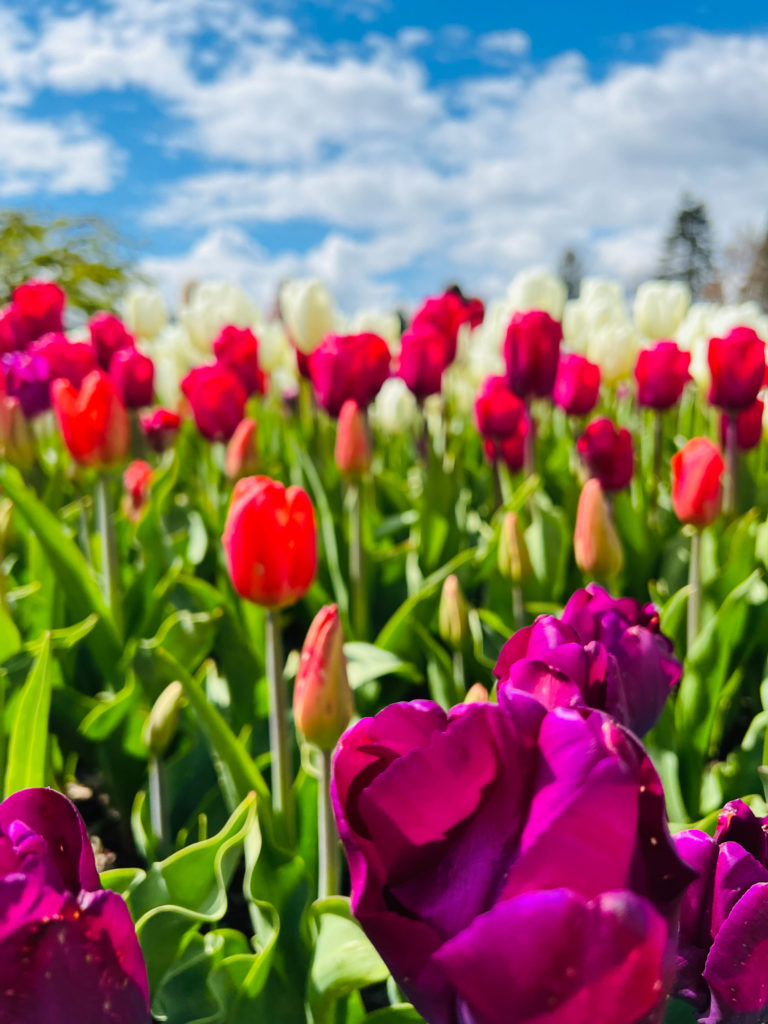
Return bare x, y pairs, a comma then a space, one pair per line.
384, 669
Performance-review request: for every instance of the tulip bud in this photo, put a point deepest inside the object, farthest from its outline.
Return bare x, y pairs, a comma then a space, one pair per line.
322, 700
242, 458
453, 614
697, 489
353, 448
477, 694
162, 722
596, 544
136, 480
17, 444
513, 559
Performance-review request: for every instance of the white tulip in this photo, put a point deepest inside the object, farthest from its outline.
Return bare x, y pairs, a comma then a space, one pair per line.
275, 350
537, 288
370, 321
145, 311
212, 306
660, 307
576, 326
174, 357
614, 347
602, 292
747, 314
308, 313
394, 409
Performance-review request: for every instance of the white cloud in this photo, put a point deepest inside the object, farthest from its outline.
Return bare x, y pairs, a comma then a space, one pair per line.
509, 43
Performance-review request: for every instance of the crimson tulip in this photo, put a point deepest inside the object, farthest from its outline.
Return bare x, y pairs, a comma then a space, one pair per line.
661, 373
737, 365
510, 449
425, 353
348, 366
607, 451
749, 426
12, 336
160, 428
446, 313
498, 411
40, 308
108, 336
72, 360
237, 349
532, 353
93, 421
577, 384
697, 488
270, 542
133, 374
217, 398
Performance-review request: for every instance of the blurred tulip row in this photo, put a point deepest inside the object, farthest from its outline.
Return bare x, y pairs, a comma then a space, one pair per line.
477, 596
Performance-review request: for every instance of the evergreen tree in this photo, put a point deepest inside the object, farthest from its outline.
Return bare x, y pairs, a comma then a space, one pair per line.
687, 252
755, 286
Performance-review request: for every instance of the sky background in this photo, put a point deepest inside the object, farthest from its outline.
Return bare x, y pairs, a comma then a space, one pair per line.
388, 148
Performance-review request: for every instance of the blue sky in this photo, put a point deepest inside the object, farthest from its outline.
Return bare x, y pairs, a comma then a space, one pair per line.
387, 148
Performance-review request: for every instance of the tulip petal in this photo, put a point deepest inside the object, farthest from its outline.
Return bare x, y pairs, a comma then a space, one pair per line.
736, 966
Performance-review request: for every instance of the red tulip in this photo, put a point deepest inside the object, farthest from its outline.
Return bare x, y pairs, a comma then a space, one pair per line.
353, 447
40, 308
424, 354
133, 375
445, 314
12, 336
160, 428
498, 411
217, 398
136, 480
577, 385
322, 700
108, 336
237, 349
511, 449
72, 360
348, 366
242, 458
532, 353
270, 543
661, 373
697, 489
737, 364
93, 420
607, 452
749, 426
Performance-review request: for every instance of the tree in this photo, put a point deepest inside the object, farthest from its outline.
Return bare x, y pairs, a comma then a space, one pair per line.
687, 252
755, 284
82, 254
571, 272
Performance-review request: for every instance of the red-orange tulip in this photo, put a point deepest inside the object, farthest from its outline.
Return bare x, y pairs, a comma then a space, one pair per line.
322, 700
270, 543
353, 447
92, 419
697, 489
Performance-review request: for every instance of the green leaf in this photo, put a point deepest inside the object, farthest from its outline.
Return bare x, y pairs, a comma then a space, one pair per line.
73, 573
10, 638
403, 1013
679, 1012
29, 738
366, 662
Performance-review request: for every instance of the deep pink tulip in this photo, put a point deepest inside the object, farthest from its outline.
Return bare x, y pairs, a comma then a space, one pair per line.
607, 452
108, 336
749, 426
498, 410
577, 384
217, 398
237, 348
40, 308
133, 374
348, 366
532, 353
661, 373
737, 365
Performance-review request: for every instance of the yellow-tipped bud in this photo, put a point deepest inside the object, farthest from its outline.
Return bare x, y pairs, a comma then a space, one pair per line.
322, 700
596, 543
453, 614
477, 694
160, 727
513, 559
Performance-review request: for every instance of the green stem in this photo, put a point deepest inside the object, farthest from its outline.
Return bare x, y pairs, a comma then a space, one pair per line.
279, 738
731, 465
105, 524
518, 606
498, 498
694, 595
158, 806
327, 836
459, 676
658, 439
529, 449
356, 561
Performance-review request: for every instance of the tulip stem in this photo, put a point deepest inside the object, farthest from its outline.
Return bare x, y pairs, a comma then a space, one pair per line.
327, 836
731, 464
459, 676
498, 498
356, 561
518, 606
694, 586
658, 440
105, 524
279, 738
529, 444
158, 806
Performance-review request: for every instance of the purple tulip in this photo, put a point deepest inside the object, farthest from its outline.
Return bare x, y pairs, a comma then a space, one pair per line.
723, 957
510, 864
68, 948
28, 378
629, 631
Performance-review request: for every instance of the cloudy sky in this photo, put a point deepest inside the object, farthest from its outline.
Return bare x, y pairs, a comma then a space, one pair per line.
379, 146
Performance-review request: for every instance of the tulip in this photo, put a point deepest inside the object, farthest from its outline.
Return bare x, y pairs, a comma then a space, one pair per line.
28, 379
307, 311
596, 544
737, 364
136, 480
532, 352
498, 411
17, 445
660, 307
160, 428
749, 426
537, 289
69, 360
12, 334
453, 613
577, 385
425, 354
724, 919
108, 336
237, 349
133, 375
145, 311
242, 458
40, 308
697, 490
514, 562
353, 447
510, 863
348, 366
218, 400
445, 314
510, 450
607, 451
158, 732
322, 699
661, 373
477, 694
209, 307
394, 409
69, 948
92, 419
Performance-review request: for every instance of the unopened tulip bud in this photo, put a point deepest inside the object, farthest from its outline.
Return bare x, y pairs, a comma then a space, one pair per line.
322, 700
477, 694
136, 481
596, 543
453, 614
353, 447
17, 444
513, 559
160, 727
242, 458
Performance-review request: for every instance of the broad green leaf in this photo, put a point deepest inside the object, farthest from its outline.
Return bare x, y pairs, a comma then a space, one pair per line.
10, 638
29, 737
403, 1013
366, 662
109, 712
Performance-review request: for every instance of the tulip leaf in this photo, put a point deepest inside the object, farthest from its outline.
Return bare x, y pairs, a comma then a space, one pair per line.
344, 959
366, 662
29, 737
402, 1013
10, 638
73, 573
679, 1012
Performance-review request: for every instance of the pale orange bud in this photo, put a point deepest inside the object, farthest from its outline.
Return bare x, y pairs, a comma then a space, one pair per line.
513, 559
322, 700
596, 544
353, 446
242, 458
477, 694
17, 444
453, 613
